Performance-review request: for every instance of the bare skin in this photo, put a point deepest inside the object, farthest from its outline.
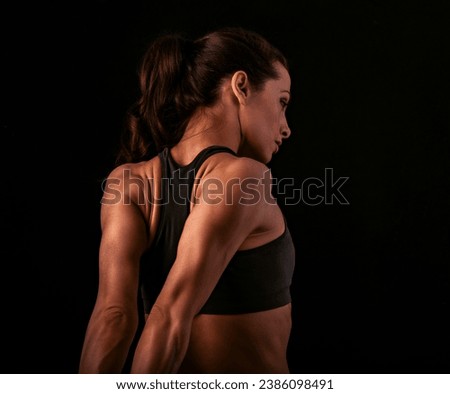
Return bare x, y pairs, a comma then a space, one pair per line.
255, 343
176, 338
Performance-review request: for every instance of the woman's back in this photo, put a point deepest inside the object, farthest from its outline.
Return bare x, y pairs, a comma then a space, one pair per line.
249, 340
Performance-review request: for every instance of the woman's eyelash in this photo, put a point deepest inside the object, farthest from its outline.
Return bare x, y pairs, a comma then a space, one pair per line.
284, 103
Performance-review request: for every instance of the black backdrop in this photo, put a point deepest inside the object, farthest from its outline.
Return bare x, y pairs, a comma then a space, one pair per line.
370, 103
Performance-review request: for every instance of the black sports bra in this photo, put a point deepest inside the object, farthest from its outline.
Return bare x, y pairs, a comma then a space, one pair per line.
254, 280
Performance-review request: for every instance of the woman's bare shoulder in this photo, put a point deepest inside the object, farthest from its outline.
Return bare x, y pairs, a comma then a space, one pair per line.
225, 166
140, 169
131, 182
231, 178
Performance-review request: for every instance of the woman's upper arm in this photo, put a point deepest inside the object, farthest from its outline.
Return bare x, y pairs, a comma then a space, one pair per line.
124, 238
213, 232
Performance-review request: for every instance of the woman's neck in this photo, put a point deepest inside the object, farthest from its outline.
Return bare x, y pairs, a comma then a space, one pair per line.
215, 126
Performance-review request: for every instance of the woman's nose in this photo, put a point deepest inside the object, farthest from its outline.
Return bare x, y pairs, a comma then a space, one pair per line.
286, 132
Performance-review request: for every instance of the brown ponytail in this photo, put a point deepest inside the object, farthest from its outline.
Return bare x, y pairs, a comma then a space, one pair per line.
178, 75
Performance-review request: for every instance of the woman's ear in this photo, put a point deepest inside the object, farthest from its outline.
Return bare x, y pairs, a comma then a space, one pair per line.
240, 86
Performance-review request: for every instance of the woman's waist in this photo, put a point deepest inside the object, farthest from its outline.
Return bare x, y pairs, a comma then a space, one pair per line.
243, 343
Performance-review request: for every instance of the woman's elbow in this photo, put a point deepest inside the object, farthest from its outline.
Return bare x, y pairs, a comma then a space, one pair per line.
120, 318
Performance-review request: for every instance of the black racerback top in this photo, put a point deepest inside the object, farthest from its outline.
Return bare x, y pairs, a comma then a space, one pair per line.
254, 280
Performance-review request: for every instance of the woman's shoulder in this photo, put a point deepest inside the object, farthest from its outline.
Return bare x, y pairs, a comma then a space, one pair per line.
131, 181
138, 170
226, 166
236, 179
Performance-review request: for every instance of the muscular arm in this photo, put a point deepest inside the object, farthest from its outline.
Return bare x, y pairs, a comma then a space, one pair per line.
212, 234
114, 320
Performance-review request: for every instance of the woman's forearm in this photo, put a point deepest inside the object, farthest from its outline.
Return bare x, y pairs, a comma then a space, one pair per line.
162, 346
107, 343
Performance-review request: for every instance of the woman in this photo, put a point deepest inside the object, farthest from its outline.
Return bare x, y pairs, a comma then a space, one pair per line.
195, 229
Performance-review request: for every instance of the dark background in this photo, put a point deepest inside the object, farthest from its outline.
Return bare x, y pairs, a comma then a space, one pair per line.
370, 87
